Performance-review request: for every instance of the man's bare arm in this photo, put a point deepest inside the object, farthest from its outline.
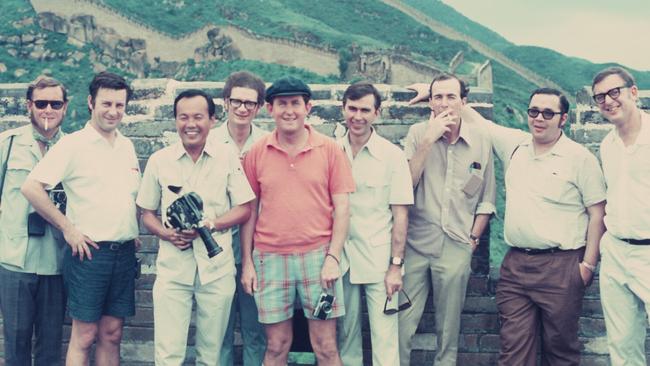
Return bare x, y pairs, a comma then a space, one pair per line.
35, 193
595, 231
330, 271
393, 278
246, 231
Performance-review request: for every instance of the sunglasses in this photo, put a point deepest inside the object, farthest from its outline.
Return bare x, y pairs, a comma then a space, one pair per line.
546, 114
401, 307
55, 104
613, 93
249, 105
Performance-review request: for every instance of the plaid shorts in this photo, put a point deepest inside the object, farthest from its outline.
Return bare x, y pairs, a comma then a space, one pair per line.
281, 276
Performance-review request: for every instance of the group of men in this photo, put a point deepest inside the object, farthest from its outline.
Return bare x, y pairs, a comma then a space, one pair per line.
306, 221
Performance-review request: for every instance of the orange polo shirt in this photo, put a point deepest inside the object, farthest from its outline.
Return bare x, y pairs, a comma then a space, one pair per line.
295, 194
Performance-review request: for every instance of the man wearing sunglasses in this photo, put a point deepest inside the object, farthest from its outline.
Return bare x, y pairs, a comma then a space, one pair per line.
31, 286
625, 271
374, 252
453, 178
243, 95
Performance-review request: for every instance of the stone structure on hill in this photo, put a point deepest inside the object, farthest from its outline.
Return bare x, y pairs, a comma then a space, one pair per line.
150, 125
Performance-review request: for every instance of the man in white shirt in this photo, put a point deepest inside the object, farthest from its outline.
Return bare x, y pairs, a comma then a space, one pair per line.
184, 270
625, 270
243, 96
374, 252
100, 175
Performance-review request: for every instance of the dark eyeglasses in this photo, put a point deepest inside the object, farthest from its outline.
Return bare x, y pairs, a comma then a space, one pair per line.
55, 104
249, 105
546, 113
401, 307
613, 93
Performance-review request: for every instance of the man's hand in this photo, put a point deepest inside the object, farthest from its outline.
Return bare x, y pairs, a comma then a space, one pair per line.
249, 278
393, 281
138, 244
79, 243
422, 91
180, 239
586, 275
330, 272
438, 125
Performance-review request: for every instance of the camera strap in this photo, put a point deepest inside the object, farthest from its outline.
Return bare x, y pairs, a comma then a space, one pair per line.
4, 165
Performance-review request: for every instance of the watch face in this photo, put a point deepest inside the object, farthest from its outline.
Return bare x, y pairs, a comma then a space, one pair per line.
397, 261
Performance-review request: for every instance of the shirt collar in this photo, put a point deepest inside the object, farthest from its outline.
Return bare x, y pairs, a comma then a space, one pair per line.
373, 145
644, 134
94, 136
464, 133
562, 147
314, 139
210, 149
222, 134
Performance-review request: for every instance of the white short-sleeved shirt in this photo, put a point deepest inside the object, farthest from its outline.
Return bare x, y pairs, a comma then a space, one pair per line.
547, 195
627, 173
100, 181
218, 178
382, 177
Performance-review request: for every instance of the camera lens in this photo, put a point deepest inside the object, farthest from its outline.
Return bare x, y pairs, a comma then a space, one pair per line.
327, 308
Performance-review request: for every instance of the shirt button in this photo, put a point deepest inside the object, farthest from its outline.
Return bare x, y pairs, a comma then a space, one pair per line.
291, 165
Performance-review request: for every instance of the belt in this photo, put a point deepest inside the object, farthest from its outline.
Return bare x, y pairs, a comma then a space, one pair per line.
115, 245
636, 241
531, 251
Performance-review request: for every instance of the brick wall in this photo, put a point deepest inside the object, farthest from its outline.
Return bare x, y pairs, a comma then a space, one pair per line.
150, 125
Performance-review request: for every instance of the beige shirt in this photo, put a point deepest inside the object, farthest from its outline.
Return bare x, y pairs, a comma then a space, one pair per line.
457, 183
627, 172
217, 177
547, 195
19, 252
100, 181
382, 177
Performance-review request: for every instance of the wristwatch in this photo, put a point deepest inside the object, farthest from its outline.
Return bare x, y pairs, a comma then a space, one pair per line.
397, 261
474, 238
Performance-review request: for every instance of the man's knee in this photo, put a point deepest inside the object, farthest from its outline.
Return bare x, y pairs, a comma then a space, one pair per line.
278, 344
110, 331
325, 348
84, 334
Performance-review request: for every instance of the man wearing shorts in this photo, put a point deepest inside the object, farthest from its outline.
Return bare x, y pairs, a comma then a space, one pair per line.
302, 180
99, 171
184, 270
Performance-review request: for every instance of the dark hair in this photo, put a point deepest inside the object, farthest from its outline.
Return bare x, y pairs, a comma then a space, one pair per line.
245, 79
43, 82
564, 102
464, 89
108, 80
614, 70
359, 90
191, 93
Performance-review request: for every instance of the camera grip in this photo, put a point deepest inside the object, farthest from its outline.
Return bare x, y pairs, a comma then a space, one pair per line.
210, 244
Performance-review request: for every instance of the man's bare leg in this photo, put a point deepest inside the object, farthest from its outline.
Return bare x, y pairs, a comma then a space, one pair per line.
109, 337
278, 343
82, 338
322, 334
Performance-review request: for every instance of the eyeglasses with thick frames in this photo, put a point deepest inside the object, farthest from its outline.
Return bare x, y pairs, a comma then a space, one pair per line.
613, 93
236, 103
55, 104
401, 307
546, 113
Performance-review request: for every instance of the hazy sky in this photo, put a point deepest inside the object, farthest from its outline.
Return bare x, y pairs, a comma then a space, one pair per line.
597, 30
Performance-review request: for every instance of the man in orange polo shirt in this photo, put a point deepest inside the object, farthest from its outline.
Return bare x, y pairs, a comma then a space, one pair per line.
293, 241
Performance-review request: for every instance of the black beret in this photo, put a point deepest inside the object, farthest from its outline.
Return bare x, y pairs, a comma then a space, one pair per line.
287, 85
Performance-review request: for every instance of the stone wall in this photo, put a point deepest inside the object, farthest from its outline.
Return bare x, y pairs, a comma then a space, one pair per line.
150, 125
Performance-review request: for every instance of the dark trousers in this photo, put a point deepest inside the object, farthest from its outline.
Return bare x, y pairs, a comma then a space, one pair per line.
31, 304
540, 294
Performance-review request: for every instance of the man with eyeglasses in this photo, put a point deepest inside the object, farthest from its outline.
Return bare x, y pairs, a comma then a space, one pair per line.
374, 252
625, 247
243, 95
453, 177
31, 286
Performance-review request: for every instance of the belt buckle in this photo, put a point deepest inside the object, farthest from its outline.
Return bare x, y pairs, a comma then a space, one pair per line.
114, 246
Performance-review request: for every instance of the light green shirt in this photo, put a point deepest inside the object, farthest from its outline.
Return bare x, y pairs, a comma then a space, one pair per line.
222, 135
18, 251
382, 177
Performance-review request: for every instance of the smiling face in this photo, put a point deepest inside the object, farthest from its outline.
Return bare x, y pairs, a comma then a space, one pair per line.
546, 131
289, 113
47, 119
241, 115
193, 122
359, 116
619, 110
107, 110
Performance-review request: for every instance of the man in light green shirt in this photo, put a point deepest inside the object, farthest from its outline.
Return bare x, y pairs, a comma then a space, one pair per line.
374, 252
31, 286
